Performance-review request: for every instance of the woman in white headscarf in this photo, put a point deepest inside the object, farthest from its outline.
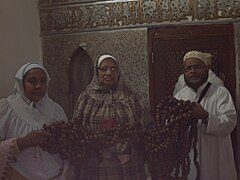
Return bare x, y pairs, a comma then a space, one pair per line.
107, 101
22, 116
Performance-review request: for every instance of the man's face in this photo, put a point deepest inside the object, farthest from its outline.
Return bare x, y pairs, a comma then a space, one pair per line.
35, 84
108, 73
195, 72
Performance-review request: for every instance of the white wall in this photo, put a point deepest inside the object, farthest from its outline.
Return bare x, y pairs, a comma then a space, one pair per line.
19, 39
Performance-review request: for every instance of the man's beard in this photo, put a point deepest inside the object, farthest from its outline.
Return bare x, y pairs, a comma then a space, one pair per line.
197, 84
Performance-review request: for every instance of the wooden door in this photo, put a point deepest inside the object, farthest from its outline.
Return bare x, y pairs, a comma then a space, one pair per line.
167, 46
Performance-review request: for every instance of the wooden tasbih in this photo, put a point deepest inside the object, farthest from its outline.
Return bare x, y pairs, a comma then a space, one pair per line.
167, 142
75, 142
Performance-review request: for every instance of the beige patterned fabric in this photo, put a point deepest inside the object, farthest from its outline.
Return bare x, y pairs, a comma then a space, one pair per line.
204, 57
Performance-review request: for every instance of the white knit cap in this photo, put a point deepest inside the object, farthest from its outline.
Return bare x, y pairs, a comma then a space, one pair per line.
204, 57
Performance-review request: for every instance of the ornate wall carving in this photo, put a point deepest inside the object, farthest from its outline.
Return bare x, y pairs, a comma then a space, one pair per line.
61, 16
237, 47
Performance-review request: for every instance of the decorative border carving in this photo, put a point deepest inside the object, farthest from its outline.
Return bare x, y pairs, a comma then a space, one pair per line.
69, 16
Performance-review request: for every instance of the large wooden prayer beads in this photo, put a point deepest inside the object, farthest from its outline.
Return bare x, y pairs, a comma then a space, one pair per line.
74, 142
166, 142
167, 146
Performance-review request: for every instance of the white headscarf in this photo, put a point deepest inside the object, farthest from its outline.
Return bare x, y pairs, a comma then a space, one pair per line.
95, 83
18, 87
45, 105
105, 56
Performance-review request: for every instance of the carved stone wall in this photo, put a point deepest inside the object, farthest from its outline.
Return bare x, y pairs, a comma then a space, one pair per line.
61, 16
128, 46
237, 47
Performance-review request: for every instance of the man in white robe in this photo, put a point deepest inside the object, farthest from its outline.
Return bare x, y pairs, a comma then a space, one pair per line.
216, 118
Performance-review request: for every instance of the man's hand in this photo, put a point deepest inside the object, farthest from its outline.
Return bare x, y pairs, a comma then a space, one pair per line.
198, 112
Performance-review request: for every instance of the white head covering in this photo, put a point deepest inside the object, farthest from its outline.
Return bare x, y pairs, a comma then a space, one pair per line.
204, 57
95, 83
18, 87
105, 56
45, 105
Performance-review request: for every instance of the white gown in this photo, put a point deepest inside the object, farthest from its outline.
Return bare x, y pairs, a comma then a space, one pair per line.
215, 153
32, 163
20, 116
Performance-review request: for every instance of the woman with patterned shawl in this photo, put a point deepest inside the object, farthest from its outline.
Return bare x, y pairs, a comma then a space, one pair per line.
106, 102
22, 116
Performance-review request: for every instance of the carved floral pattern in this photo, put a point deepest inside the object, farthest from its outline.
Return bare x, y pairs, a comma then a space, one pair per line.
84, 15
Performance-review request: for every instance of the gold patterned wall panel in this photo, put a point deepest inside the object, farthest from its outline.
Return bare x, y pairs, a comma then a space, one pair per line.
129, 46
69, 16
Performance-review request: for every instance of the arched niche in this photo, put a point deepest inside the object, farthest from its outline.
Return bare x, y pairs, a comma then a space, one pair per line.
81, 70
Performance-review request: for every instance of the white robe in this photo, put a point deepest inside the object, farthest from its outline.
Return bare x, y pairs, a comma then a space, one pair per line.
215, 153
212, 78
32, 163
18, 117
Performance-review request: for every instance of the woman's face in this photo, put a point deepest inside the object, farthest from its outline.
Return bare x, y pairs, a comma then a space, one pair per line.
108, 73
35, 84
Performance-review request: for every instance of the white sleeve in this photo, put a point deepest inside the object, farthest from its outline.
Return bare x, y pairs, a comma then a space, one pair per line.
224, 121
5, 115
180, 84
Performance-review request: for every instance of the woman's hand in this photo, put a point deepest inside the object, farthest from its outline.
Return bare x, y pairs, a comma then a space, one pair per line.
34, 138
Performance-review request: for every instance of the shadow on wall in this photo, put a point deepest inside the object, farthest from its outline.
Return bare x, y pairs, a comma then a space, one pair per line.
81, 71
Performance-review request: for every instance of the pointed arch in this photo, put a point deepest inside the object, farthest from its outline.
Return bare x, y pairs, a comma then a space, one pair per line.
81, 70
